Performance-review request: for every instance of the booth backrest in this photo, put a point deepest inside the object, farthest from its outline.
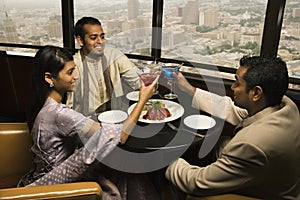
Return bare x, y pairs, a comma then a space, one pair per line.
15, 156
16, 160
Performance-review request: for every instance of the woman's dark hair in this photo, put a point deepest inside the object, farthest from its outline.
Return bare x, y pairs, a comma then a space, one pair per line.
269, 73
50, 59
79, 26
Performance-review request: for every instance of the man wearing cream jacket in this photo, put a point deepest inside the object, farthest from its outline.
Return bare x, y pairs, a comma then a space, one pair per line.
262, 159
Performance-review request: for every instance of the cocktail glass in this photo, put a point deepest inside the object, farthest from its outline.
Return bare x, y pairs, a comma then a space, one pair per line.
147, 77
148, 73
168, 72
155, 67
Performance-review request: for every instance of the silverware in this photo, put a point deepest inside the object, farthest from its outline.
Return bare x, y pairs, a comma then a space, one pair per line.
196, 134
174, 128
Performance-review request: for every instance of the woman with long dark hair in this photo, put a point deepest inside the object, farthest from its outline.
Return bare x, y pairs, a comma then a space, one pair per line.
57, 130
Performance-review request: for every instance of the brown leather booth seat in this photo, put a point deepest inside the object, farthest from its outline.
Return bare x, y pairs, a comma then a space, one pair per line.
16, 160
15, 156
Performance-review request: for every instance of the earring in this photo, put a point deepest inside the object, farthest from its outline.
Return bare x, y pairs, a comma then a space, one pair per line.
51, 84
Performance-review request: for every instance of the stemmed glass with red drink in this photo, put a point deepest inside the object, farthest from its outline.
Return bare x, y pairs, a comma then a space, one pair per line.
147, 77
148, 73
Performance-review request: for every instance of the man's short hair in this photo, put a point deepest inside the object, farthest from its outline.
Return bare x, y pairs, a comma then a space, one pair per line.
269, 73
79, 26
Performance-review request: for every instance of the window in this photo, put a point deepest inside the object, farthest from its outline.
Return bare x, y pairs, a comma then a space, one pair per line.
126, 23
212, 32
31, 23
204, 32
289, 46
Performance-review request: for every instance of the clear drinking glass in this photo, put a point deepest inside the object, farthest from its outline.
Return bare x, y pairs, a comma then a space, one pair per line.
168, 72
147, 77
148, 73
155, 68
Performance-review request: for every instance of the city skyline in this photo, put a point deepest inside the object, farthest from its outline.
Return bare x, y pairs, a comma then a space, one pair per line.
227, 28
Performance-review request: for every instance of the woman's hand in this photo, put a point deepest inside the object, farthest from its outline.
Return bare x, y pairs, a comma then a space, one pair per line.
146, 92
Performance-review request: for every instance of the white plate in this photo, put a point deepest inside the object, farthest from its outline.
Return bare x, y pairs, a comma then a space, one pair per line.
112, 116
199, 122
175, 109
133, 96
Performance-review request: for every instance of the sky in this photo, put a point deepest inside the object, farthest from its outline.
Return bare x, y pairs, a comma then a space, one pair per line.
10, 4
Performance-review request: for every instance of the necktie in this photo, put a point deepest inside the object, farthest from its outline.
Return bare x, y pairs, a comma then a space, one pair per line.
107, 79
85, 96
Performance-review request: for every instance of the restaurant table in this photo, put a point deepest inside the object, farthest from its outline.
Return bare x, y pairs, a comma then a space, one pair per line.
151, 147
169, 139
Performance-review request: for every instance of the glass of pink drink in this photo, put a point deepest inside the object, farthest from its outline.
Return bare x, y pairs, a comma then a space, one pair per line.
147, 77
148, 74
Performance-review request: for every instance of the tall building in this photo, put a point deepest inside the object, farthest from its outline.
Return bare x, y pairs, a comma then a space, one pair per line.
190, 13
10, 30
180, 11
134, 9
54, 27
139, 28
208, 17
296, 12
173, 39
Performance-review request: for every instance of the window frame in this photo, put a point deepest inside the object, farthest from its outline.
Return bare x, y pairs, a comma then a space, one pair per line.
270, 41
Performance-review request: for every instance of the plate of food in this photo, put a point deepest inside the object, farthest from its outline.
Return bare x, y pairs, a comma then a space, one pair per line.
133, 96
112, 116
159, 111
